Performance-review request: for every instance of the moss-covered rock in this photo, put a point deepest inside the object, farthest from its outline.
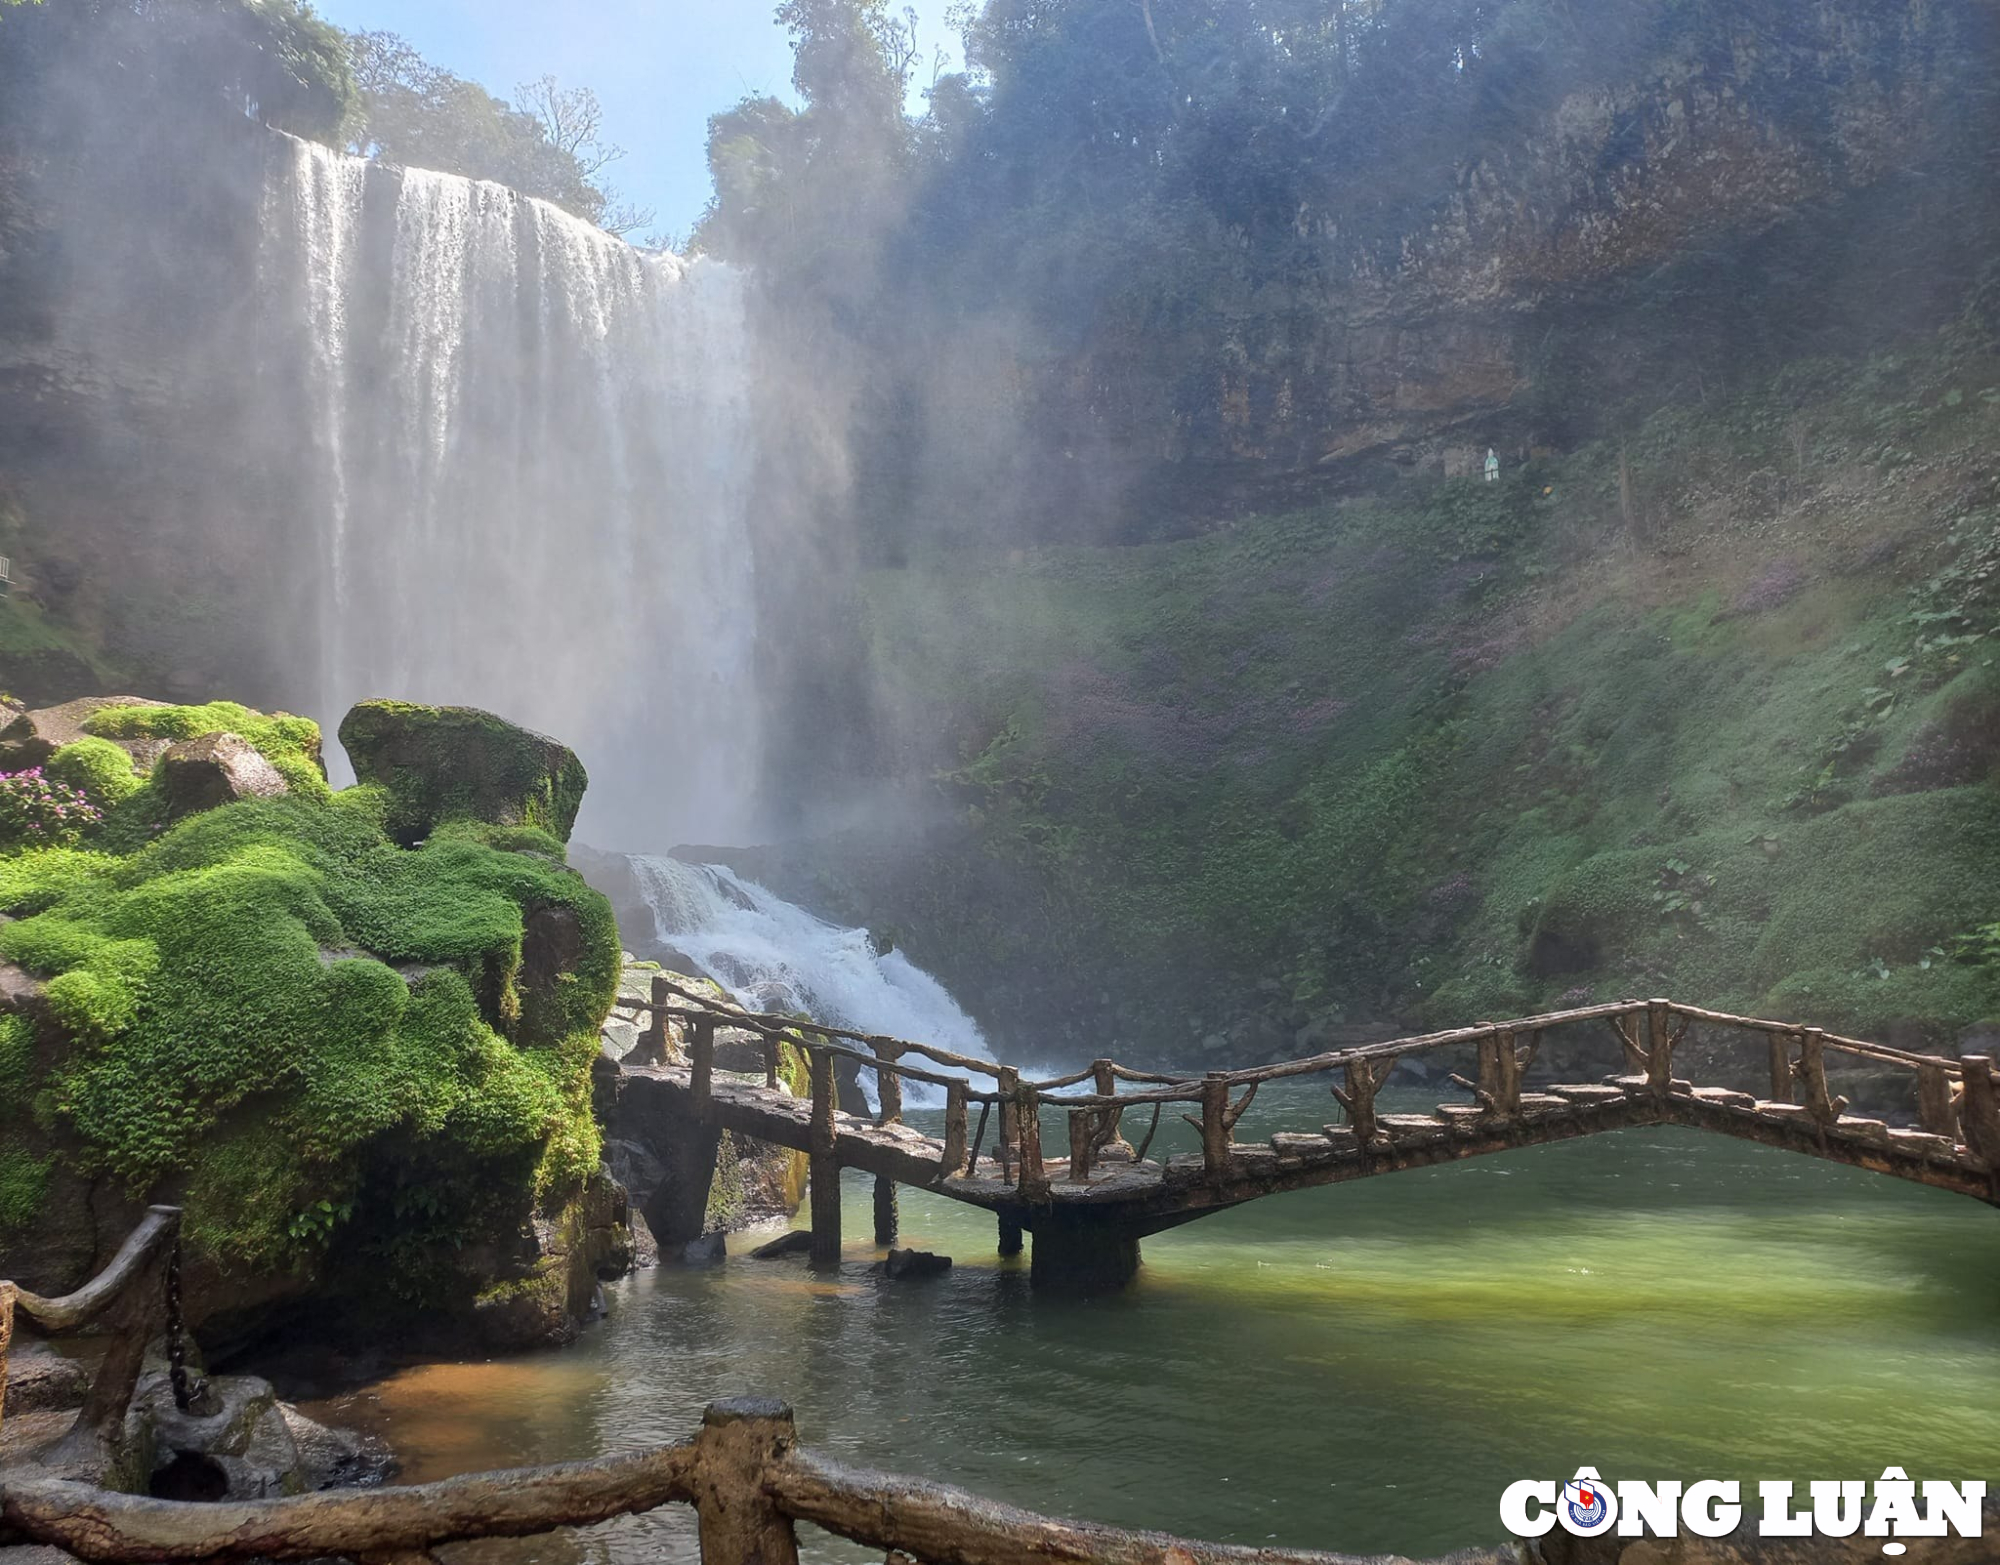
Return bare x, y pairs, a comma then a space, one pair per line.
214, 770
355, 1064
104, 770
31, 738
443, 763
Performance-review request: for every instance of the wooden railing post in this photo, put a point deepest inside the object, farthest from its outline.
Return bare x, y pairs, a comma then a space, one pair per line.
1110, 1121
1781, 1066
1627, 1028
1979, 1114
656, 1023
1009, 1148
1034, 1181
1215, 1121
772, 1046
1510, 1075
1358, 1097
1488, 1087
1660, 1041
824, 1175
954, 1131
701, 1064
740, 1441
1082, 1136
1820, 1103
1935, 1111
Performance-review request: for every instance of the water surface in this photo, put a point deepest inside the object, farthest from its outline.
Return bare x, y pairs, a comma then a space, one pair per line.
1362, 1367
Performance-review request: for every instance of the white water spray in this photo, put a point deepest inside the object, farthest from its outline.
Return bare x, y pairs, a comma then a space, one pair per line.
523, 480
775, 956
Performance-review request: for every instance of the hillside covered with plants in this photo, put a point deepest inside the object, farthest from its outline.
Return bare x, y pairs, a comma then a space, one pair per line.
1711, 712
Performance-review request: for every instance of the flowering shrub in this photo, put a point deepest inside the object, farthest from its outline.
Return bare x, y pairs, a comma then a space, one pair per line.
40, 812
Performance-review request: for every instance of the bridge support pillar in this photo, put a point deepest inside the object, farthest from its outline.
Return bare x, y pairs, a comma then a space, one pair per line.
1082, 1257
823, 1173
1010, 1235
885, 1212
678, 1210
823, 1197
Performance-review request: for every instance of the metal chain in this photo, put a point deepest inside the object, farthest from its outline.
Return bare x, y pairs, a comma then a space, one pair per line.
188, 1390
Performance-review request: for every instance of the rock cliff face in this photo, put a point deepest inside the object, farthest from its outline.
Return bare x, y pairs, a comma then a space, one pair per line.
1729, 204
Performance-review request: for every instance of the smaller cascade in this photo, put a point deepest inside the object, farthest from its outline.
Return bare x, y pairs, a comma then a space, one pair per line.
773, 955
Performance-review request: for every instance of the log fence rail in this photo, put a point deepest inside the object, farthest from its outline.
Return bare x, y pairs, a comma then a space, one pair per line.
745, 1475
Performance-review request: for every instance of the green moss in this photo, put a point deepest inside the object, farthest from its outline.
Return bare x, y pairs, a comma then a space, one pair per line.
17, 1063
238, 1022
439, 764
23, 1179
98, 768
290, 744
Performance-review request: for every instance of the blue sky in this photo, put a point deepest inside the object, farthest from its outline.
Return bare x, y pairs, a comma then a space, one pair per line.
660, 67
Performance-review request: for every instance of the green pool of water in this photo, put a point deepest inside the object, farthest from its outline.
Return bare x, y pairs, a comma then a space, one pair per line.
1362, 1367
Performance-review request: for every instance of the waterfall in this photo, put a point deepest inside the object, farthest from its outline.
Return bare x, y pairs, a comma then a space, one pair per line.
775, 956
518, 456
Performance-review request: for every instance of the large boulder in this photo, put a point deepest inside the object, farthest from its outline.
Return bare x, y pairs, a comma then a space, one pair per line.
441, 763
214, 770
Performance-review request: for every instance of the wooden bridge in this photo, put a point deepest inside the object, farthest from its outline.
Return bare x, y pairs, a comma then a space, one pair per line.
1089, 1210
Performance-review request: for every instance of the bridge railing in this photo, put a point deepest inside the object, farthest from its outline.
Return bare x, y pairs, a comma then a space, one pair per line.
1958, 1099
136, 1298
744, 1473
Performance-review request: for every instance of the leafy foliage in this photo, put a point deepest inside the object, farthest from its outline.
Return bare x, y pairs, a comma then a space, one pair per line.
547, 143
37, 809
1424, 753
274, 59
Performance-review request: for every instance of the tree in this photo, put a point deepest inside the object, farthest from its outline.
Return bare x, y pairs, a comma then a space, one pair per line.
274, 60
547, 143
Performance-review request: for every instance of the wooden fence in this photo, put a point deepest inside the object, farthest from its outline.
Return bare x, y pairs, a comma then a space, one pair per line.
744, 1474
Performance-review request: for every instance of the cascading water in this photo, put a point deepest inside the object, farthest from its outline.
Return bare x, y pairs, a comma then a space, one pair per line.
775, 956
527, 480
528, 489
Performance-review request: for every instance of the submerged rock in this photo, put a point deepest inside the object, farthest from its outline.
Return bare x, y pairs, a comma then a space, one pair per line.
903, 1264
440, 763
796, 1242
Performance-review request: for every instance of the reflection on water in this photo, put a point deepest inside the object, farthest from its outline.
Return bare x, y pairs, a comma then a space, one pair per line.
1362, 1367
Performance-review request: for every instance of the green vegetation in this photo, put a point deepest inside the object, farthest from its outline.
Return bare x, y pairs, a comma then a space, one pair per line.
291, 744
334, 1043
548, 142
96, 767
186, 58
436, 764
1470, 749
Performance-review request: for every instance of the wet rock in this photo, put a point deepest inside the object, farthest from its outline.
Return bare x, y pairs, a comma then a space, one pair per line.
645, 1248
332, 1458
708, 1250
245, 1445
796, 1242
214, 770
903, 1264
40, 1380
